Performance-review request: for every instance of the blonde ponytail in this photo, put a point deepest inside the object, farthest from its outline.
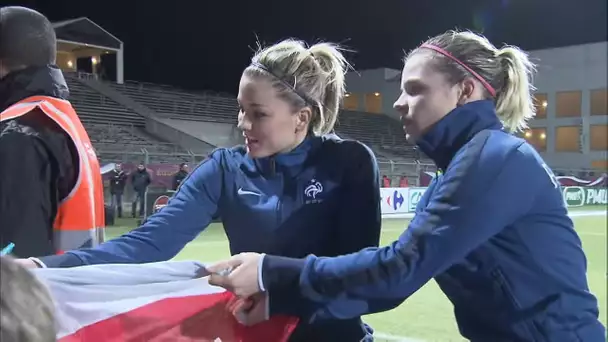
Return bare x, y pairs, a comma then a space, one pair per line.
304, 76
508, 71
334, 66
514, 102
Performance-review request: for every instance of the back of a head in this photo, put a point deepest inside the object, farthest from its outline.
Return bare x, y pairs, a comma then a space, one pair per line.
317, 74
26, 308
27, 38
508, 70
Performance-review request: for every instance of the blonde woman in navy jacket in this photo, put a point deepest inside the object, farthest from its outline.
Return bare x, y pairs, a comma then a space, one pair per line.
293, 189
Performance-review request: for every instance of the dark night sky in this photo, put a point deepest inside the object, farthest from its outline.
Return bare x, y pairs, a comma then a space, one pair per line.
205, 44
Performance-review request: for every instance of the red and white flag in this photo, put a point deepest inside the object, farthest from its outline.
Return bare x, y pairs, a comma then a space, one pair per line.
165, 301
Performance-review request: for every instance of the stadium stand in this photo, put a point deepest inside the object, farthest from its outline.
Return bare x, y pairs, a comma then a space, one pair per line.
95, 108
117, 131
173, 103
380, 132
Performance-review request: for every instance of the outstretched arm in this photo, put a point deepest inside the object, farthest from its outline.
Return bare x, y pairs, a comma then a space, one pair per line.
165, 233
471, 204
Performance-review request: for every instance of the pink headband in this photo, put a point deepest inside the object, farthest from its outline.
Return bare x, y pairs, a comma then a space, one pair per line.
485, 83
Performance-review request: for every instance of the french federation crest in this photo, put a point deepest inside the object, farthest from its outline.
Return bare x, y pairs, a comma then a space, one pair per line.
312, 192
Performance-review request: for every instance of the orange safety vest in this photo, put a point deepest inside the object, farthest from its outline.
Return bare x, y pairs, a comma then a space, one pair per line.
80, 218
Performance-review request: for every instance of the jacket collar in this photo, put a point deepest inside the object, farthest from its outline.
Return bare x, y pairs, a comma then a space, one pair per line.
33, 81
454, 130
291, 162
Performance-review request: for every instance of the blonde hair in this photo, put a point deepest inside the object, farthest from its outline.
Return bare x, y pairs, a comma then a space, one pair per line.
508, 70
304, 76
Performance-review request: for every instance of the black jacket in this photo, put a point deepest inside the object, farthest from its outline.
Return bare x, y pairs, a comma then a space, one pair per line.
178, 178
37, 163
118, 179
140, 180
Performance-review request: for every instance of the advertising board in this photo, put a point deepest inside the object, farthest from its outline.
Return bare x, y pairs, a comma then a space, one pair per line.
400, 200
578, 196
393, 200
414, 196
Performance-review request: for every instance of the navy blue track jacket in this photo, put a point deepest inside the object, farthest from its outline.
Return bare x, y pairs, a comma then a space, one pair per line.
321, 198
493, 231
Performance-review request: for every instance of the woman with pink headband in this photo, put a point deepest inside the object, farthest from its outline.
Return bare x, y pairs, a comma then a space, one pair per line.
493, 230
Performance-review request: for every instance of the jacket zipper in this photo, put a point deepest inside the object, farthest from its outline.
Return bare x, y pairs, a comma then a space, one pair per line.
279, 205
279, 211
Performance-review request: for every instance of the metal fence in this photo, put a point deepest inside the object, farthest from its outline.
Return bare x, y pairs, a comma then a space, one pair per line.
145, 156
389, 168
394, 170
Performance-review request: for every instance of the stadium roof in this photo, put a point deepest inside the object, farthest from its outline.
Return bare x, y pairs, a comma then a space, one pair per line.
83, 31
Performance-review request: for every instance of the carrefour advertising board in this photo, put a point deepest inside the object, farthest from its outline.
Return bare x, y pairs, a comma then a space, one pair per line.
400, 200
405, 200
393, 200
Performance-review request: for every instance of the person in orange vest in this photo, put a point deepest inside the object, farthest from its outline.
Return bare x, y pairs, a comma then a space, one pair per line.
51, 192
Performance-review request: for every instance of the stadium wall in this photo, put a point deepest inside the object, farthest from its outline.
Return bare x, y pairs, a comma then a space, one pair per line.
571, 94
571, 129
367, 86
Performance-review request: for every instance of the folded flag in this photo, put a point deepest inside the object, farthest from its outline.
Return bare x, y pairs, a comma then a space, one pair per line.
165, 301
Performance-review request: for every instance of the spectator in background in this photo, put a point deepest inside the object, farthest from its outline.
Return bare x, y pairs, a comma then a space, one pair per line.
140, 179
180, 175
386, 181
101, 70
26, 308
118, 179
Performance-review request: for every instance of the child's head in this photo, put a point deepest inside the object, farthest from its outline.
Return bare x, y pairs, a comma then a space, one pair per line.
26, 308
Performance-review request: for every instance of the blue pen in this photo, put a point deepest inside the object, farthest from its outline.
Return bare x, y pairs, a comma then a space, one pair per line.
8, 249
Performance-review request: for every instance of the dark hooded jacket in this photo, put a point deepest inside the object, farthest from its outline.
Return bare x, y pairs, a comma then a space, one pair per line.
37, 167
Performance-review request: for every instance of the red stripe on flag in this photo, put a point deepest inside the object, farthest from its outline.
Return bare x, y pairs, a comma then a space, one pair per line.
198, 318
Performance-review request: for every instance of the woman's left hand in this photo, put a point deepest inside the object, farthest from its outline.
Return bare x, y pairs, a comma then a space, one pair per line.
243, 278
250, 311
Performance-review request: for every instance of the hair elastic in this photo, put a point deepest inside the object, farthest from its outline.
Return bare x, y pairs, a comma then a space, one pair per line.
285, 83
312, 55
485, 83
